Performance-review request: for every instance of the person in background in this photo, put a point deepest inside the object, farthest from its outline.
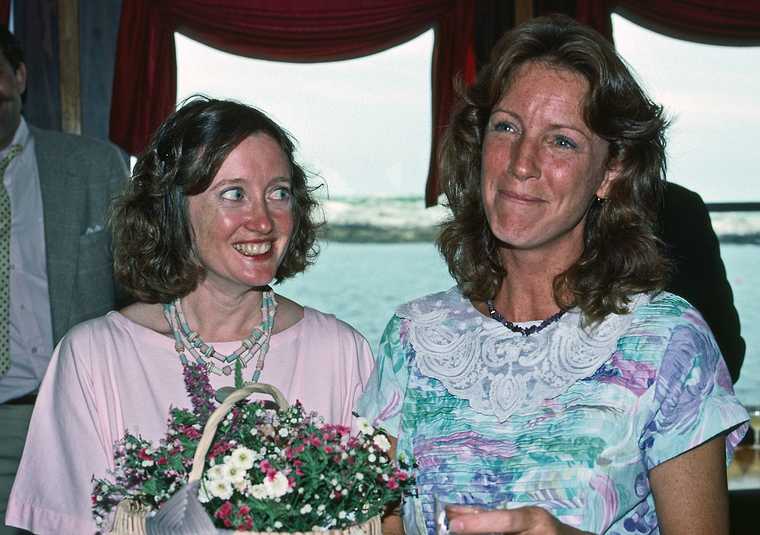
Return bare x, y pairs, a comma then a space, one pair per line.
216, 210
699, 275
557, 389
55, 250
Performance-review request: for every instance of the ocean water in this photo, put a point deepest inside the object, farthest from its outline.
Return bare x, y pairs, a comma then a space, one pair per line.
362, 283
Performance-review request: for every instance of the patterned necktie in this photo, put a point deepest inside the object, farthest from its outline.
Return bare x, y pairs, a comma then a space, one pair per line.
5, 255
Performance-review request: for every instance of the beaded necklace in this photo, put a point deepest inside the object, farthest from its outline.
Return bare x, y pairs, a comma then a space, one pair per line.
189, 341
525, 331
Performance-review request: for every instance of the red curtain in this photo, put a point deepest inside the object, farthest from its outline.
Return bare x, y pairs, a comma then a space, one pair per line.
5, 11
145, 79
722, 22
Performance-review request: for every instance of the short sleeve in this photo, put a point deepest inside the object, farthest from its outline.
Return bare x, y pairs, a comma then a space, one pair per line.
51, 493
693, 399
383, 398
359, 360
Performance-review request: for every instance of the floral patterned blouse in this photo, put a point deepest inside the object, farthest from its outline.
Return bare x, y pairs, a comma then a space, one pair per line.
569, 419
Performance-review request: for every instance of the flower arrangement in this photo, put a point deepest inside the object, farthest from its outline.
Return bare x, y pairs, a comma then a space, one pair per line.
267, 470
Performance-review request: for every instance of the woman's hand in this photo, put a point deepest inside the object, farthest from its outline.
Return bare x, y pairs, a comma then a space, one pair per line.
522, 520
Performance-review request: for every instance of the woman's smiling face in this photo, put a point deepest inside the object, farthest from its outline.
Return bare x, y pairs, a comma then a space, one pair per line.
243, 222
541, 163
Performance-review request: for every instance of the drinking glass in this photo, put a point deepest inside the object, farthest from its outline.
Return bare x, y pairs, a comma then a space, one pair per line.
442, 517
754, 423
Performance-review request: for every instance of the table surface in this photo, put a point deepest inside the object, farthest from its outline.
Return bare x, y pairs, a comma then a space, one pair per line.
744, 470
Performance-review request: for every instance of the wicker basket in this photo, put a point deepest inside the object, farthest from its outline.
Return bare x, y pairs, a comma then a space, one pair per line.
183, 513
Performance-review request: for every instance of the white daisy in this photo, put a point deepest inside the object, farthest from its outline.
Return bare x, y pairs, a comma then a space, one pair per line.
277, 485
232, 473
382, 442
220, 488
258, 491
215, 472
364, 427
243, 458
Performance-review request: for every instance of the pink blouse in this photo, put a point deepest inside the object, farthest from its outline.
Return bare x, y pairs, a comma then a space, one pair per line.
110, 375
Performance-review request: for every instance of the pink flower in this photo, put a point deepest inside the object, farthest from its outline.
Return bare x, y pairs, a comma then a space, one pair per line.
224, 510
265, 467
298, 464
246, 522
293, 451
191, 432
220, 449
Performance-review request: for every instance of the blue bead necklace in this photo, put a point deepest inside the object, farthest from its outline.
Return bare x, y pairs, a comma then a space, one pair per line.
525, 331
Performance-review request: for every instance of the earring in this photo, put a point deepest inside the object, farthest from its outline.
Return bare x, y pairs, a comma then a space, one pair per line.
599, 200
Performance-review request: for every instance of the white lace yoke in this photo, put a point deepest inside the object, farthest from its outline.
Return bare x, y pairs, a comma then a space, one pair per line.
500, 372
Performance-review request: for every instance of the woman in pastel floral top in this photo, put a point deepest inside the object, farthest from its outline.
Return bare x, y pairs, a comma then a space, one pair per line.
556, 389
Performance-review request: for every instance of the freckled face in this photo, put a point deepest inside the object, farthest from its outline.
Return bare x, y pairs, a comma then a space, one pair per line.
243, 222
541, 164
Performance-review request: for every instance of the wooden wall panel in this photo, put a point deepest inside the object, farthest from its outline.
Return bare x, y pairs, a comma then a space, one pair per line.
68, 33
98, 29
36, 26
492, 19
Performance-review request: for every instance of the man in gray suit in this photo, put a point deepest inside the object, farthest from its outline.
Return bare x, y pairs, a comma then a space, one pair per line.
60, 265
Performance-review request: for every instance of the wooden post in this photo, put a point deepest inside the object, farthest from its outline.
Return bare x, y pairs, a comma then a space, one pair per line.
523, 11
68, 32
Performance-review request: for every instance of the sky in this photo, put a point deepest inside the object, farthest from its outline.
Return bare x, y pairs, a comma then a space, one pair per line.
712, 95
364, 125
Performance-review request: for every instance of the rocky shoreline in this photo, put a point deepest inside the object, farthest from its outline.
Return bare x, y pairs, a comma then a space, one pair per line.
367, 233
406, 220
357, 233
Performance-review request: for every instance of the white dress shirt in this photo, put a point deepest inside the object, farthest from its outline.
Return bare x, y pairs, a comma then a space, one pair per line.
31, 330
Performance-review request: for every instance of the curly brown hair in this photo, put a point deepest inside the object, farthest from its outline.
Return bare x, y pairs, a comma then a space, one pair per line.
622, 254
155, 257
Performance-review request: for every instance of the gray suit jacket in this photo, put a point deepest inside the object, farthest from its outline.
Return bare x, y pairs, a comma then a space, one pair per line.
79, 177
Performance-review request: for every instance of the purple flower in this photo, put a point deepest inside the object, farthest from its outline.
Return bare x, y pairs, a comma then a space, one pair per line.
686, 377
199, 390
634, 376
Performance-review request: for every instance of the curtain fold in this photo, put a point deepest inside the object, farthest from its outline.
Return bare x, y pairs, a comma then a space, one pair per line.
719, 22
145, 80
5, 12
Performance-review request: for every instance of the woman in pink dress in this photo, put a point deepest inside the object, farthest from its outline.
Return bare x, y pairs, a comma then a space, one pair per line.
216, 210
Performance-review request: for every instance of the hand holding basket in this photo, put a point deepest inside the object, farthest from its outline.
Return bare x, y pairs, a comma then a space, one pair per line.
184, 513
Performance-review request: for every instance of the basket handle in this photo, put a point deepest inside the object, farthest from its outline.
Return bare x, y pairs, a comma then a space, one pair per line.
199, 460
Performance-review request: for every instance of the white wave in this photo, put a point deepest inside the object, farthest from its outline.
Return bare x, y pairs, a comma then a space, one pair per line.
383, 212
736, 223
410, 212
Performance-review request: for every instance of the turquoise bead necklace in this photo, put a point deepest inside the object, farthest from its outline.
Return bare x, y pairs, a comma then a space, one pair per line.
188, 342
